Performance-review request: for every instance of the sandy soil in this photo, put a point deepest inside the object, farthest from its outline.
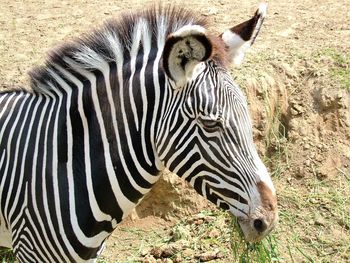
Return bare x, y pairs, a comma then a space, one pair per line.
291, 69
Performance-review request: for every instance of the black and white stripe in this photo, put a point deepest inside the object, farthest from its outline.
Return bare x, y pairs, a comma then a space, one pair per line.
81, 150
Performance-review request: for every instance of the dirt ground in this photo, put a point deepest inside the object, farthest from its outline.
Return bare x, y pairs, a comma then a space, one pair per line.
297, 80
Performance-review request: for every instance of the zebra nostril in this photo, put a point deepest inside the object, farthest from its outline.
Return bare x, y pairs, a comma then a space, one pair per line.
260, 225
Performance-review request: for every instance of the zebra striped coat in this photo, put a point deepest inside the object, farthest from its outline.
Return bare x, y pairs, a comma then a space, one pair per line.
107, 113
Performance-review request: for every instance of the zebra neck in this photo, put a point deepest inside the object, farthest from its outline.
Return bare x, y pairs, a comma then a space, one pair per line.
109, 115
109, 124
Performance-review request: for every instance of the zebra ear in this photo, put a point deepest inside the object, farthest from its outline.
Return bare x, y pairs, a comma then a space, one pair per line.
183, 51
239, 38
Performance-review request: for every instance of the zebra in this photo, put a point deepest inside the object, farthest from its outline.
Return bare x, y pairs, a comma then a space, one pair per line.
107, 113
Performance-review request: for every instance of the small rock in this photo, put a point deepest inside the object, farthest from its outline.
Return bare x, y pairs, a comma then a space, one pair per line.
320, 221
167, 260
190, 221
319, 158
329, 168
208, 256
321, 174
320, 146
297, 109
313, 201
303, 131
220, 255
300, 172
199, 222
177, 259
214, 233
294, 112
148, 259
187, 253
165, 251
156, 252
169, 250
183, 244
209, 218
144, 252
307, 163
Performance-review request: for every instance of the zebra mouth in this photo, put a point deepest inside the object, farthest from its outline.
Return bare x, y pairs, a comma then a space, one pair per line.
247, 232
254, 229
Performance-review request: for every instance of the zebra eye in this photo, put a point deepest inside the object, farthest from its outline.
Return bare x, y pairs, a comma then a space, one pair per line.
211, 125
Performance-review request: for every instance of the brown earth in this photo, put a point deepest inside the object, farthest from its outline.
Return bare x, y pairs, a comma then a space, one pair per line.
296, 79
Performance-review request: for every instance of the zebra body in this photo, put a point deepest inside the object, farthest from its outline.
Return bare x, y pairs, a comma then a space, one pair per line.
106, 115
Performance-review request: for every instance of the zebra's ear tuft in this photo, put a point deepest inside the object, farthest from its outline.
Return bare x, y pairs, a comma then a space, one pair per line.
239, 38
183, 51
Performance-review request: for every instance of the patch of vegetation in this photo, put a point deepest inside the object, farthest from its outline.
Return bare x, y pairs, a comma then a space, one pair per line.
276, 139
314, 224
262, 252
338, 63
134, 243
211, 235
202, 237
6, 255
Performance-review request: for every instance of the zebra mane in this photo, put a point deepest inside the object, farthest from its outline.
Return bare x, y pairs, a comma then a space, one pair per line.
92, 49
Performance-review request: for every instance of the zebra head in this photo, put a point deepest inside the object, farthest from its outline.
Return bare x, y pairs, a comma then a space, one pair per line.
206, 133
